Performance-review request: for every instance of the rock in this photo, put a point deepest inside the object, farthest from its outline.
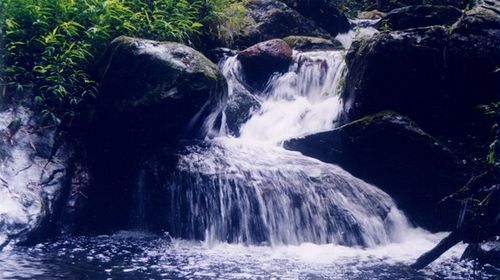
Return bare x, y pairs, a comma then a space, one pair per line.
393, 153
274, 19
305, 43
483, 18
435, 77
34, 169
152, 94
419, 16
484, 253
401, 71
387, 5
324, 13
156, 91
373, 14
263, 59
217, 54
240, 107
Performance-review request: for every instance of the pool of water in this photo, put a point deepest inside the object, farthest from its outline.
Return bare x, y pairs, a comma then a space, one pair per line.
134, 255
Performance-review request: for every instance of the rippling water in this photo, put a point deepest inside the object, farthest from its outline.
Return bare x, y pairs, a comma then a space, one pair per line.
133, 255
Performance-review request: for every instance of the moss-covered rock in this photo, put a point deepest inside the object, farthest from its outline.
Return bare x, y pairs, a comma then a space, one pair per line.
387, 5
324, 12
306, 43
373, 14
419, 16
158, 90
274, 19
393, 153
152, 94
437, 76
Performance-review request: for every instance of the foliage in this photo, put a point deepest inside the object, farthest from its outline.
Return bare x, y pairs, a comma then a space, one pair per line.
353, 7
49, 45
492, 110
225, 18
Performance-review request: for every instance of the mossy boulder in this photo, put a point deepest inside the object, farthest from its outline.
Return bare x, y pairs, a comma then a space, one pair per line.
419, 16
324, 12
306, 43
435, 75
387, 5
392, 152
274, 19
373, 14
152, 94
158, 90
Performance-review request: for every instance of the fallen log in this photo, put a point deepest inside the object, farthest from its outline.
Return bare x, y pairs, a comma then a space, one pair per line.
444, 245
483, 227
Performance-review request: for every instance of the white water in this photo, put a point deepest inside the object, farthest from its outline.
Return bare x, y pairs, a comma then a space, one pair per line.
133, 255
302, 101
250, 190
247, 192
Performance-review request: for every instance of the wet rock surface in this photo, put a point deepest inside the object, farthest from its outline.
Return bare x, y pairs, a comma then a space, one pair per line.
34, 168
392, 152
274, 19
419, 16
260, 61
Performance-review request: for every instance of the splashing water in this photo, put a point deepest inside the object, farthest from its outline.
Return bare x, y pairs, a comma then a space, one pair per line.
236, 193
135, 255
250, 190
303, 101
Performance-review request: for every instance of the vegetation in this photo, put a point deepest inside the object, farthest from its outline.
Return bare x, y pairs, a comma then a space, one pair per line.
492, 110
48, 45
353, 7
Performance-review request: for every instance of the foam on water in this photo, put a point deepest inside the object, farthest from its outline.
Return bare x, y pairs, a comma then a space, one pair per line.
137, 255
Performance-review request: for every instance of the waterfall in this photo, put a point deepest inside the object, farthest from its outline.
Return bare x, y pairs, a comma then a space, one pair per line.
302, 101
250, 190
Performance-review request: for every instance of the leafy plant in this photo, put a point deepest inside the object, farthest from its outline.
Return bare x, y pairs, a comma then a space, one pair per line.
492, 110
47, 46
225, 18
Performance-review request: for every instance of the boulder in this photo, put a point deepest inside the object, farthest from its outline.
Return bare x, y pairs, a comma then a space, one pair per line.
240, 107
274, 19
372, 15
218, 54
401, 71
419, 16
484, 253
152, 94
263, 59
387, 5
436, 77
324, 13
393, 153
157, 91
306, 43
34, 171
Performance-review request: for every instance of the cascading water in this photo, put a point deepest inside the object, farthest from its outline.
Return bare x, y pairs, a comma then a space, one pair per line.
302, 101
250, 190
